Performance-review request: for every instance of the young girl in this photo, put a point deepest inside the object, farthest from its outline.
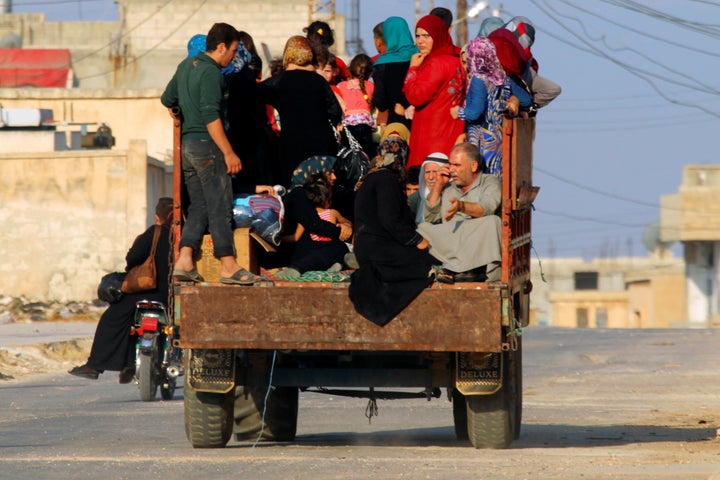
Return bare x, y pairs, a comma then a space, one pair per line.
357, 94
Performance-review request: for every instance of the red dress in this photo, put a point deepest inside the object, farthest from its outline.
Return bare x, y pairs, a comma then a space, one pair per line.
434, 87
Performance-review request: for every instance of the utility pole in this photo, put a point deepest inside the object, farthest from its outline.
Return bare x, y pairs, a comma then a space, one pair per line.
461, 29
354, 43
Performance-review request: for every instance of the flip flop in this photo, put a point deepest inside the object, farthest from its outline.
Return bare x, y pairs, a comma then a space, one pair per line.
187, 276
241, 277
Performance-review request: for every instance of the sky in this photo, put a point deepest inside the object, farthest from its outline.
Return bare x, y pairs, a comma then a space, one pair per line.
640, 100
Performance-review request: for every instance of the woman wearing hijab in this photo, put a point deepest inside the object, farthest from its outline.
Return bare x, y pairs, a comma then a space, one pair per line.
394, 263
390, 69
308, 109
435, 83
307, 254
490, 93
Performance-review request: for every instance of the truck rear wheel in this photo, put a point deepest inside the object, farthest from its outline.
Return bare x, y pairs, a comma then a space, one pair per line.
208, 417
460, 417
493, 421
281, 413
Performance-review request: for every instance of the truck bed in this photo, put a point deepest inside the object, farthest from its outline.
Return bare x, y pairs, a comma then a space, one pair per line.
320, 316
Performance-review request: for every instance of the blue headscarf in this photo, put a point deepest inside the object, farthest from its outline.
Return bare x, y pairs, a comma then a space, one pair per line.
489, 25
400, 43
196, 44
311, 166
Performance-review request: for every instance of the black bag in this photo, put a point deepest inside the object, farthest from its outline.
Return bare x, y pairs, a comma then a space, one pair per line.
351, 163
110, 287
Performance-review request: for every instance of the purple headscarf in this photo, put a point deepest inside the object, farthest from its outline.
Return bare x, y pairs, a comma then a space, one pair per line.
482, 62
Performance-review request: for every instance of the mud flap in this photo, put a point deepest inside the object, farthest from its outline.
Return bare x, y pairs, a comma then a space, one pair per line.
211, 370
478, 373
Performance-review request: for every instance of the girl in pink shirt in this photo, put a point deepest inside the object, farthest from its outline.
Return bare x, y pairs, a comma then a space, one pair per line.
357, 93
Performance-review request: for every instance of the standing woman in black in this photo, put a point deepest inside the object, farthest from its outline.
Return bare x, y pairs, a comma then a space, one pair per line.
307, 106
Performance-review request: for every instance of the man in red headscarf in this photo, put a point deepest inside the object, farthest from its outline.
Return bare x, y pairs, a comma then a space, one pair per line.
435, 83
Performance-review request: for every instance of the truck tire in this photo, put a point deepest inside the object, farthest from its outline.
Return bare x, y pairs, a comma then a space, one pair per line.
280, 415
460, 415
208, 417
493, 421
147, 378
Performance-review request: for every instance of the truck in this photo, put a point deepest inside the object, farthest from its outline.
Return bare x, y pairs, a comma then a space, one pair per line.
249, 351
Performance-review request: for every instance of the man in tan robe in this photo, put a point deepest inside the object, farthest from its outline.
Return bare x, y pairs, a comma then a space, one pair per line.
460, 221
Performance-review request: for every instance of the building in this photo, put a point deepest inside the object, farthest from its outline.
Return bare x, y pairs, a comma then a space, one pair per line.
692, 216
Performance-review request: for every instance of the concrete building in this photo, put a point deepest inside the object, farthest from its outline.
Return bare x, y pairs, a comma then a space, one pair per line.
142, 49
692, 216
640, 292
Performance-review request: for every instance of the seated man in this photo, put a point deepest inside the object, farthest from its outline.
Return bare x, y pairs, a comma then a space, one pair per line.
464, 200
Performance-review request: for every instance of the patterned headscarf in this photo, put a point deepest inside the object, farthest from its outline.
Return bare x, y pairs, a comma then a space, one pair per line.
297, 52
482, 62
396, 129
393, 153
442, 43
311, 166
242, 58
524, 31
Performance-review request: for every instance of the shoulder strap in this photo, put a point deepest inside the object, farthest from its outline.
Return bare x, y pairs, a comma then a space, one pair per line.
156, 236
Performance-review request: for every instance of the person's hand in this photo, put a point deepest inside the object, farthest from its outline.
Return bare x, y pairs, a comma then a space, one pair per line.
454, 208
454, 112
410, 112
399, 109
423, 245
443, 177
233, 163
264, 190
345, 231
512, 106
417, 59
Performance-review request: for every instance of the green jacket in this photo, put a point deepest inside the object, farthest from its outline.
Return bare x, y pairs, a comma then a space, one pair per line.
198, 88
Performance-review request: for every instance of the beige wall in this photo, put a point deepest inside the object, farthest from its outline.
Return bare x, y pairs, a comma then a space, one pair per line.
69, 217
129, 113
566, 305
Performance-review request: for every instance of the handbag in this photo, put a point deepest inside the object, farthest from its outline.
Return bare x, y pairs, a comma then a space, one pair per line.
110, 287
351, 163
143, 277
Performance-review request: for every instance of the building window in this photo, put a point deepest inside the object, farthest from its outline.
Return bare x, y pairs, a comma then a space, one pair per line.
586, 280
581, 315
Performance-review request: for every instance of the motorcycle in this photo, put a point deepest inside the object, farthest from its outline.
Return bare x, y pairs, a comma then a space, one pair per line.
157, 362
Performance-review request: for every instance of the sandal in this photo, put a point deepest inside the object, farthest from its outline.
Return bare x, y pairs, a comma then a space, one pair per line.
441, 275
241, 277
188, 276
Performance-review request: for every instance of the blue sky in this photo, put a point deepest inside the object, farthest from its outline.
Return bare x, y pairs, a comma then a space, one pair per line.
640, 100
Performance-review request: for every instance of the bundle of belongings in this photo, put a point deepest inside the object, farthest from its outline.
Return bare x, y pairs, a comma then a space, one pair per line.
263, 213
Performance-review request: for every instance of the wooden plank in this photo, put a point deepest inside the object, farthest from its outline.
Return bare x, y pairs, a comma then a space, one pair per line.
323, 318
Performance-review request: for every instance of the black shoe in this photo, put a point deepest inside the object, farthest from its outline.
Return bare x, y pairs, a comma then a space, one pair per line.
85, 372
126, 375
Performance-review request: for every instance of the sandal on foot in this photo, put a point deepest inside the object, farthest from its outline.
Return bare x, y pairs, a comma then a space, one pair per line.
187, 276
241, 277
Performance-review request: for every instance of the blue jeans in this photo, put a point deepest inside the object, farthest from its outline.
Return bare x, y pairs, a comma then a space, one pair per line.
210, 191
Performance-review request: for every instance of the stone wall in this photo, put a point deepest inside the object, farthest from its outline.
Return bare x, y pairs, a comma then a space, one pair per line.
69, 217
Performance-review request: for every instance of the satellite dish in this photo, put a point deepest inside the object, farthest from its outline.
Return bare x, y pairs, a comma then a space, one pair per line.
651, 238
11, 40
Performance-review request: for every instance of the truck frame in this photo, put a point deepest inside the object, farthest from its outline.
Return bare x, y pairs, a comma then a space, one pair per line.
249, 350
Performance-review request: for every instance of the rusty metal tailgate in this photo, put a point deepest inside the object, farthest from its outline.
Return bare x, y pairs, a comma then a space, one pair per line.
320, 316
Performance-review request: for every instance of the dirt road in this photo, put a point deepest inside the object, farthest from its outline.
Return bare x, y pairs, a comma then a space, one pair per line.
598, 404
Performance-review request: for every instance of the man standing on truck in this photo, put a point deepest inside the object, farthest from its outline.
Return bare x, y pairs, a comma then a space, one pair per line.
208, 160
465, 200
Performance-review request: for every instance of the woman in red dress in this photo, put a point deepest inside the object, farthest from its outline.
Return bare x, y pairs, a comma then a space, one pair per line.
435, 83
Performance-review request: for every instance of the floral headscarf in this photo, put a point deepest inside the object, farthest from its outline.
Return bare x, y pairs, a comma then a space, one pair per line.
241, 60
297, 52
393, 153
482, 62
311, 166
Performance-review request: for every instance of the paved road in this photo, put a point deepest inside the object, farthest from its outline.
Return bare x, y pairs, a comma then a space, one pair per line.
598, 404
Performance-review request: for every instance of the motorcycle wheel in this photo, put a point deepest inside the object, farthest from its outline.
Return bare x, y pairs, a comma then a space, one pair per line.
147, 378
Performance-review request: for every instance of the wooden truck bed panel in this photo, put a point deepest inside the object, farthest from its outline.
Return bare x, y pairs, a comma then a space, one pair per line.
320, 317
